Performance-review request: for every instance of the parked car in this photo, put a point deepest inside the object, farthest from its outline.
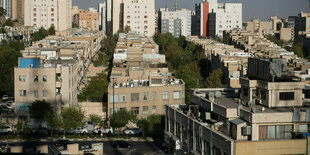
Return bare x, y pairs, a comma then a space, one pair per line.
6, 108
10, 103
79, 131
6, 130
5, 97
120, 144
133, 131
41, 131
107, 130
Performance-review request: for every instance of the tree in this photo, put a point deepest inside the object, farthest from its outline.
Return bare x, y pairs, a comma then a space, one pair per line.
2, 11
22, 125
73, 118
8, 22
144, 125
94, 119
96, 90
122, 117
127, 29
39, 35
51, 30
39, 110
54, 121
74, 25
214, 80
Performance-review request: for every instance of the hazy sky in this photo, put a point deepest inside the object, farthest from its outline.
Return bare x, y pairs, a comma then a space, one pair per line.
261, 9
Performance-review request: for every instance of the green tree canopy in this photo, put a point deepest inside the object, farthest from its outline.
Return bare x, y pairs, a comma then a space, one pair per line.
54, 121
214, 80
122, 117
144, 125
8, 22
95, 119
2, 11
39, 35
51, 30
73, 118
39, 110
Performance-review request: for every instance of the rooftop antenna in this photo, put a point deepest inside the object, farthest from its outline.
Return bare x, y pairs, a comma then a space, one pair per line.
175, 5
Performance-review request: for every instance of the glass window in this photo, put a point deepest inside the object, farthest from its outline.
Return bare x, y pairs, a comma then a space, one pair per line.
22, 78
36, 93
145, 96
145, 110
122, 98
44, 93
154, 109
176, 94
165, 95
135, 110
271, 132
22, 93
36, 78
134, 96
58, 91
44, 78
115, 98
285, 96
154, 96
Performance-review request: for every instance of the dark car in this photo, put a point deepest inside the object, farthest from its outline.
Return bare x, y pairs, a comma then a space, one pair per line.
120, 144
41, 131
62, 142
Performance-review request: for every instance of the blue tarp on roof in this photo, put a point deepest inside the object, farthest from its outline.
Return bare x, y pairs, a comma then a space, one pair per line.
25, 63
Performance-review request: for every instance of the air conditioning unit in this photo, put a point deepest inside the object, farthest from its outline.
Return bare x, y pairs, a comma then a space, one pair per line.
258, 101
246, 130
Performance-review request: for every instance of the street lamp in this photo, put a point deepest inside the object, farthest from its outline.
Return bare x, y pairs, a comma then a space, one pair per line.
113, 108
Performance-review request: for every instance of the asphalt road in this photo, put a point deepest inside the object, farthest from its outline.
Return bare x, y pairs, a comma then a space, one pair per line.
137, 147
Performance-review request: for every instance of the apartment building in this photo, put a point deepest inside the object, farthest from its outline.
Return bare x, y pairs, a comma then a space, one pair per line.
200, 19
299, 23
18, 9
255, 25
265, 114
139, 16
89, 20
178, 22
102, 9
49, 13
140, 78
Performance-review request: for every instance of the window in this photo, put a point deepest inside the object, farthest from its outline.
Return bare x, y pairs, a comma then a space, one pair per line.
144, 96
154, 96
165, 95
128, 22
176, 94
58, 77
275, 132
134, 96
58, 91
34, 9
145, 16
52, 14
128, 17
34, 15
145, 110
22, 93
44, 78
52, 9
154, 109
263, 94
36, 93
115, 98
52, 19
122, 98
286, 96
36, 78
22, 78
156, 81
145, 22
145, 27
135, 110
44, 93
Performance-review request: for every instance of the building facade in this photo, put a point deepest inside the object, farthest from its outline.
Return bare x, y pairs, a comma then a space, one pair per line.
49, 13
178, 22
102, 8
18, 9
140, 80
89, 20
7, 5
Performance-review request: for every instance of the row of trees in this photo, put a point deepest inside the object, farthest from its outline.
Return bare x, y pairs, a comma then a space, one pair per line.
188, 62
42, 33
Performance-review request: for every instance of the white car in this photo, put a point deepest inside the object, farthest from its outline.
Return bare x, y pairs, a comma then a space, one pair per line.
6, 130
5, 97
133, 131
107, 130
79, 131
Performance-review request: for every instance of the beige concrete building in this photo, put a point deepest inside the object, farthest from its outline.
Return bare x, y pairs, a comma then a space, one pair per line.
48, 13
265, 116
89, 20
143, 84
287, 34
18, 9
258, 26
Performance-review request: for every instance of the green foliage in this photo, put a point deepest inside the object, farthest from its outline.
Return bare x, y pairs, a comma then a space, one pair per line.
8, 22
54, 121
297, 48
96, 90
22, 125
144, 125
39, 110
95, 119
9, 53
2, 11
122, 117
51, 30
2, 125
73, 117
214, 80
274, 39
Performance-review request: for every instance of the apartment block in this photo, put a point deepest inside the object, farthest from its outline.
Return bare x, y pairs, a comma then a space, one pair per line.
140, 80
89, 20
200, 19
102, 9
268, 112
178, 22
256, 25
18, 9
49, 13
139, 16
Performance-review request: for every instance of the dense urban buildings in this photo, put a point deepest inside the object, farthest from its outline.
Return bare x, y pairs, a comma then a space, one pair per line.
140, 80
89, 20
49, 13
178, 22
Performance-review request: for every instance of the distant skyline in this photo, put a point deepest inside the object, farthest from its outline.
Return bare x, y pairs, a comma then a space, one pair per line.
261, 9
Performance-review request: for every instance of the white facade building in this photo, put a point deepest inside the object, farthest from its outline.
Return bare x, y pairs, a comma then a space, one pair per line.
139, 15
178, 22
48, 13
224, 16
